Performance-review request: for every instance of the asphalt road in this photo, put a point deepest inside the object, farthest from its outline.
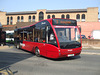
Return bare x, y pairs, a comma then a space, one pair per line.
24, 63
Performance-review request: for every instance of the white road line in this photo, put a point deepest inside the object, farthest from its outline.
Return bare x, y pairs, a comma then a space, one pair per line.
90, 53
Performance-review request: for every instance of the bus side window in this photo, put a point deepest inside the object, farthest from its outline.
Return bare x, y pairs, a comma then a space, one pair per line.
37, 34
43, 35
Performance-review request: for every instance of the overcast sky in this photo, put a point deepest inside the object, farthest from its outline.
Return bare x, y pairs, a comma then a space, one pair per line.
33, 5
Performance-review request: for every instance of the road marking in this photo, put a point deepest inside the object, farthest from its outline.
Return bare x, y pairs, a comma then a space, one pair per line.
6, 72
90, 53
3, 73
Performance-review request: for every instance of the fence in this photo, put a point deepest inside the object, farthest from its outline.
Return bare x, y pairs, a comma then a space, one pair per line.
91, 43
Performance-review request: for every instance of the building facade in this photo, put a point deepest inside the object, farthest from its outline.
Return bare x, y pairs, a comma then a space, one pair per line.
14, 19
81, 15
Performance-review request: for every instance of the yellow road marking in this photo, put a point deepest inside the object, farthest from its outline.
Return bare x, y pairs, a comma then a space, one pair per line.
3, 73
6, 72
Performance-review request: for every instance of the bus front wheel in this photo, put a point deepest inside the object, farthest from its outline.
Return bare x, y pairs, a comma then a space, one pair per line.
37, 52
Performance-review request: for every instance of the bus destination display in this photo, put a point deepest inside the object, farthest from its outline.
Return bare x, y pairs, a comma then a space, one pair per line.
64, 22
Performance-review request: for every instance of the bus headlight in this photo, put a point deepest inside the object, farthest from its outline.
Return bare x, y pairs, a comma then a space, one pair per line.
59, 50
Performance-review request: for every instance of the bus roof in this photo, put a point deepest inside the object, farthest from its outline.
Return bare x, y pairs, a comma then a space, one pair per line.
55, 21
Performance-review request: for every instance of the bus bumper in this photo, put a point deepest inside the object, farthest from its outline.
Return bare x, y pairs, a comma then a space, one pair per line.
70, 52
63, 53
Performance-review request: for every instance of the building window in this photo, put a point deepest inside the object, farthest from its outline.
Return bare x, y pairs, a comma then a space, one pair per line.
33, 18
41, 16
83, 17
48, 16
11, 20
78, 17
68, 16
18, 19
62, 16
22, 18
53, 16
7, 20
29, 18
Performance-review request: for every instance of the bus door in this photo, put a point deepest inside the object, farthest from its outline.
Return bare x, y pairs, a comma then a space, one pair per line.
42, 40
51, 41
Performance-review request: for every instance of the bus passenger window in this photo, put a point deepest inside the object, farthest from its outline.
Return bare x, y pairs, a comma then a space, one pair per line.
37, 34
43, 35
36, 40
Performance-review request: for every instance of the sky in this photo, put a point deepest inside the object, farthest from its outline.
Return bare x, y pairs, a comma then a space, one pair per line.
33, 5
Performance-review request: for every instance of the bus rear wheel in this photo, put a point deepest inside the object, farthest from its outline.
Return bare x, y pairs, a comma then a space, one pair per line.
37, 52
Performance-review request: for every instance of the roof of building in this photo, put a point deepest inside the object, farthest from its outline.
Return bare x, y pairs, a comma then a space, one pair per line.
66, 11
48, 11
8, 25
21, 13
17, 25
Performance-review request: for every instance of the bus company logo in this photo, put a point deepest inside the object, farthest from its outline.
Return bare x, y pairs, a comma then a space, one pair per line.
43, 23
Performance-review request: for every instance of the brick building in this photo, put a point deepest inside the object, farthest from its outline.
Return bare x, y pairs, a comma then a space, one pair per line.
86, 18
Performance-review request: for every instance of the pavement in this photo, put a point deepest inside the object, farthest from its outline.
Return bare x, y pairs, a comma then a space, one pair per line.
7, 46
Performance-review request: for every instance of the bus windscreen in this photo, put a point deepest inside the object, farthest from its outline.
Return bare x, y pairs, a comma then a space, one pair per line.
64, 22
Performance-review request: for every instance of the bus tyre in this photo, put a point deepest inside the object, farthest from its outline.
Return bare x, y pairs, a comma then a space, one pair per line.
37, 52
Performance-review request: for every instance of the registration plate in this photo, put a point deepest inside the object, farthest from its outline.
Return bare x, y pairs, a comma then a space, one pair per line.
70, 55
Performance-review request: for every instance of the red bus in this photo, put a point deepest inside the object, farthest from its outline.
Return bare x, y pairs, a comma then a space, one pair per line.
52, 38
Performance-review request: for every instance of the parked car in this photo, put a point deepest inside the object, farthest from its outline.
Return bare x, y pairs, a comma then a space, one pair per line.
83, 37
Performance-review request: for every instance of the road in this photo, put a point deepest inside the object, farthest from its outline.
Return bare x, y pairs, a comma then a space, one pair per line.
21, 62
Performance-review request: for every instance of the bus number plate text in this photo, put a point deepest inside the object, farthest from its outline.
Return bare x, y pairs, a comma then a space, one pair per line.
70, 55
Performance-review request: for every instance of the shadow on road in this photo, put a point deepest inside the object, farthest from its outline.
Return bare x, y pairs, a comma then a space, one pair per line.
8, 58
